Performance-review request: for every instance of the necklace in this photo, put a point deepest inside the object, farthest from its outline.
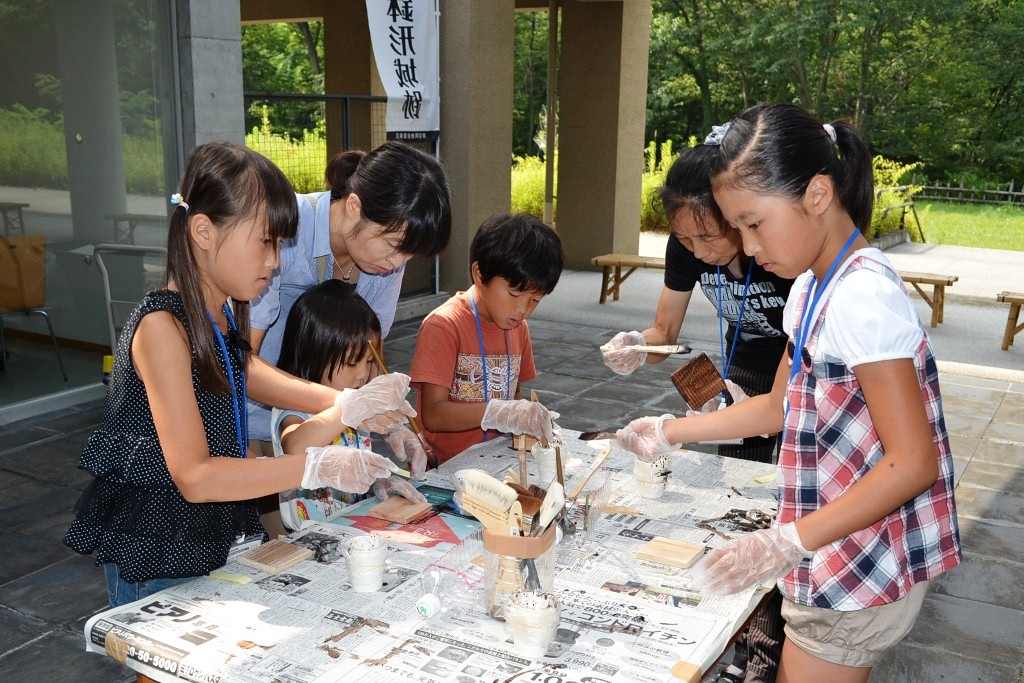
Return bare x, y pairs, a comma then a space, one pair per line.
345, 276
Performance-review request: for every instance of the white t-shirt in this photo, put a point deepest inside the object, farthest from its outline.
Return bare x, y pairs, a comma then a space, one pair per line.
870, 317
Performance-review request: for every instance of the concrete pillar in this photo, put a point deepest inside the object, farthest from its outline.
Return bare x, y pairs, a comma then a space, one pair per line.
87, 65
602, 109
477, 47
210, 58
348, 70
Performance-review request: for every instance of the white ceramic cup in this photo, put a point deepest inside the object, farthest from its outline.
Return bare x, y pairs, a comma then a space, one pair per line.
650, 477
532, 620
364, 557
545, 459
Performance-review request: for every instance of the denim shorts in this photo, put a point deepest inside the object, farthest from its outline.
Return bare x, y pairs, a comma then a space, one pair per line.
120, 592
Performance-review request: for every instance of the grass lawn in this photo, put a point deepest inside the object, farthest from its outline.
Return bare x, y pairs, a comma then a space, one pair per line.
989, 226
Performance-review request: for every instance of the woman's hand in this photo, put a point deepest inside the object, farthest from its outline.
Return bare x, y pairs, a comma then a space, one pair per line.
757, 557
344, 468
621, 360
396, 486
380, 395
646, 438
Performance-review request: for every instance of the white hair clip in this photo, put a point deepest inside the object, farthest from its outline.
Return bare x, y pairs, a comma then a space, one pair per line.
830, 130
717, 133
178, 200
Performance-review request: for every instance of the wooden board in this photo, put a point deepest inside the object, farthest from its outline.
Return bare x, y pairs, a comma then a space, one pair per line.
399, 510
275, 556
669, 551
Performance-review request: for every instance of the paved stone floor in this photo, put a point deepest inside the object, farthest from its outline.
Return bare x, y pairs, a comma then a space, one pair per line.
971, 628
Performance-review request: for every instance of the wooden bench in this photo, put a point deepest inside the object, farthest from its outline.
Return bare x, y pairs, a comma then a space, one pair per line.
612, 276
1015, 299
937, 301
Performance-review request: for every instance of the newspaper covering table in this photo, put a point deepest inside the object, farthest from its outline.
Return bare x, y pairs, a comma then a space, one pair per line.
622, 618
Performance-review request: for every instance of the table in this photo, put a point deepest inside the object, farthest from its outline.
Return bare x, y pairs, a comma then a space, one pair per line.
126, 233
13, 220
622, 618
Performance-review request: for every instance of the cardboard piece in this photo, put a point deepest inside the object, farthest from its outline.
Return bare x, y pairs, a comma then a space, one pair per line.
275, 556
22, 272
669, 551
399, 510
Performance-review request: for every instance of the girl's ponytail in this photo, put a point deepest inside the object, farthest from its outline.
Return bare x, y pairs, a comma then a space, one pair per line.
857, 185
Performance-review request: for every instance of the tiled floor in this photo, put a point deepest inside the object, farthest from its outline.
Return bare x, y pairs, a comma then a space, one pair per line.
970, 630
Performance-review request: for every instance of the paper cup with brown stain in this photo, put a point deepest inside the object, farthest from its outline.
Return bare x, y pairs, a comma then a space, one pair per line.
364, 557
532, 620
650, 477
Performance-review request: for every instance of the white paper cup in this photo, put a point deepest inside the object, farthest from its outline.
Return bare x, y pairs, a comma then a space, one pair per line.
532, 620
545, 459
364, 557
650, 477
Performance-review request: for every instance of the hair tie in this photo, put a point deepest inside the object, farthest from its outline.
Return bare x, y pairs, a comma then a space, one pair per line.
830, 129
717, 133
178, 200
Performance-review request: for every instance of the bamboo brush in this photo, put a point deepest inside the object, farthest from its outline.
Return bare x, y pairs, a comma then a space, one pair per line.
487, 499
598, 461
432, 461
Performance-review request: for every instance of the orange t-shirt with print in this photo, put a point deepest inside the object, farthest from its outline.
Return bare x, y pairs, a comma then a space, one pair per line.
448, 355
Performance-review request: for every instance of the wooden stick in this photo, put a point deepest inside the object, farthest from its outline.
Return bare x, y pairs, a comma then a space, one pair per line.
559, 476
523, 473
533, 398
666, 349
432, 461
598, 461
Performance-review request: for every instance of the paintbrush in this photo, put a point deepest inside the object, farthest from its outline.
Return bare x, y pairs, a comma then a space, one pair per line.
598, 461
559, 475
665, 349
551, 508
543, 439
487, 499
432, 461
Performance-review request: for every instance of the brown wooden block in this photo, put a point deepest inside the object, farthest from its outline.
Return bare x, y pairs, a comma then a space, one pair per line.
698, 381
275, 556
399, 510
669, 551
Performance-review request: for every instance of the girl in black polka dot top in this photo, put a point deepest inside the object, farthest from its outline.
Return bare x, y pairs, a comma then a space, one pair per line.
172, 480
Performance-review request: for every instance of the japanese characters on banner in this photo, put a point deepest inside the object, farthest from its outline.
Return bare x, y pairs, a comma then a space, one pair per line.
405, 47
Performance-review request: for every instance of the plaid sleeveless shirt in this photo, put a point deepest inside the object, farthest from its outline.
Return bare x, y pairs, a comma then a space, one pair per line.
830, 443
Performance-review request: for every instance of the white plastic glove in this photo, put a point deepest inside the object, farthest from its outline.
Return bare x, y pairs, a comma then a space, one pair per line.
396, 486
379, 395
646, 438
382, 423
757, 557
519, 417
737, 394
407, 448
344, 468
621, 360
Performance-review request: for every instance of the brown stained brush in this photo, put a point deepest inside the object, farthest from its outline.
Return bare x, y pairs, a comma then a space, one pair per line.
432, 461
698, 381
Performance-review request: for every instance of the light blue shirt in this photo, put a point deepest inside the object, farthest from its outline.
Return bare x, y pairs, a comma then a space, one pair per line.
300, 258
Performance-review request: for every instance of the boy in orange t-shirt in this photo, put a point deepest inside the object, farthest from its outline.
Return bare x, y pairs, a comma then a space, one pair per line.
473, 352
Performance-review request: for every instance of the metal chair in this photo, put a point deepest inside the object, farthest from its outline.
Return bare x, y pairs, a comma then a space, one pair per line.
120, 307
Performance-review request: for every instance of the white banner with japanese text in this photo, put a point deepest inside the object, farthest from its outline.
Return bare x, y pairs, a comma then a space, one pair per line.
404, 34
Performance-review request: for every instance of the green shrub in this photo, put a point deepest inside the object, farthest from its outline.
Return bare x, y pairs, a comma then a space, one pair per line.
657, 160
528, 185
32, 149
889, 193
302, 161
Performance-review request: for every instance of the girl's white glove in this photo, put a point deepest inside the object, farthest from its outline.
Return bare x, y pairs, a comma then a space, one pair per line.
757, 557
519, 417
646, 438
407, 448
396, 486
621, 360
382, 394
344, 468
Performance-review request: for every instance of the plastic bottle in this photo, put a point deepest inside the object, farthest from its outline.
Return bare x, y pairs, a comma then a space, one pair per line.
446, 590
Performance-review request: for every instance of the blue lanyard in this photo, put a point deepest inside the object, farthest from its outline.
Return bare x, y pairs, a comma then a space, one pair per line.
806, 318
238, 403
483, 358
739, 320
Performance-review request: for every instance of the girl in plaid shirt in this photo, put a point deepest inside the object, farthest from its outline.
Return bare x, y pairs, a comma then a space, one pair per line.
866, 510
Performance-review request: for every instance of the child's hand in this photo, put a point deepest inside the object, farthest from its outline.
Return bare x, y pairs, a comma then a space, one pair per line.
408, 449
646, 438
396, 486
519, 417
344, 468
382, 423
623, 361
379, 395
753, 558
